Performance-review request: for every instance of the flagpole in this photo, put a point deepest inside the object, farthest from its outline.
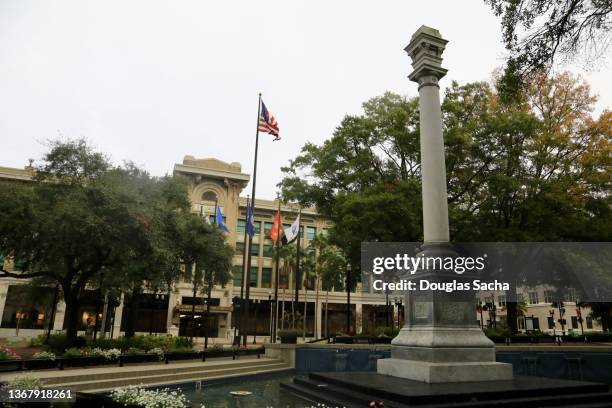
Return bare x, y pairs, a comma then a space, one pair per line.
274, 327
249, 255
297, 267
241, 322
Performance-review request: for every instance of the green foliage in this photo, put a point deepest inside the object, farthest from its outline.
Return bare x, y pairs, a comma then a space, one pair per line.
289, 333
74, 352
497, 331
534, 168
85, 223
24, 382
58, 343
536, 32
37, 341
8, 354
185, 342
386, 331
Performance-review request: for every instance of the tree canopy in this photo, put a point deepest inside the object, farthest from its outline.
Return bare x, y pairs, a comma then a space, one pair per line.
538, 32
534, 168
84, 223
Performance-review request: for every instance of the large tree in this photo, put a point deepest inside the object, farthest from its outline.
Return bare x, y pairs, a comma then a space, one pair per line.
84, 223
531, 168
539, 32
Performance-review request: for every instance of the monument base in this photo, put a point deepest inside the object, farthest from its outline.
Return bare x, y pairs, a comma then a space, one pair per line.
447, 372
359, 389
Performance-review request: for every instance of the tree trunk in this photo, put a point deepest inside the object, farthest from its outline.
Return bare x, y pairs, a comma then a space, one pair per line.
71, 318
132, 315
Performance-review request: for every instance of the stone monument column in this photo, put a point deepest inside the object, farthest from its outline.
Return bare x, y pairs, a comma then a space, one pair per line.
440, 340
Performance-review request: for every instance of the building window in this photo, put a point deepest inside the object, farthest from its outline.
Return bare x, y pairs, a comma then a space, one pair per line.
257, 225
310, 232
551, 322
267, 250
533, 298
549, 296
239, 248
488, 301
237, 275
574, 322
267, 228
589, 322
255, 249
324, 232
266, 277
241, 226
253, 276
501, 300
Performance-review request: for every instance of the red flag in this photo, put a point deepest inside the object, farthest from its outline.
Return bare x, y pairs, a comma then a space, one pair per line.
278, 223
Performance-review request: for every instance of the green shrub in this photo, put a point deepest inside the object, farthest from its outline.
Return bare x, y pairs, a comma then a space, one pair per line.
134, 352
74, 352
289, 333
37, 341
183, 342
214, 348
24, 383
57, 343
497, 331
105, 344
8, 354
386, 331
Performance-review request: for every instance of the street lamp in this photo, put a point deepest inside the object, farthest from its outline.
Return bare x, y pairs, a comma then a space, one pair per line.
552, 318
387, 304
159, 298
255, 306
561, 319
398, 304
579, 314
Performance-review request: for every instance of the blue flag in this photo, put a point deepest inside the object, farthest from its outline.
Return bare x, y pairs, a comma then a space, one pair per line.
250, 226
220, 222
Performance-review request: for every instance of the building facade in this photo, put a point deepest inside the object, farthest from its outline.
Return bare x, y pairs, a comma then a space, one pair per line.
214, 182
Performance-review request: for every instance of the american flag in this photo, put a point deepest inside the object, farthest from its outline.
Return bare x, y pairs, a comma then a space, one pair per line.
267, 123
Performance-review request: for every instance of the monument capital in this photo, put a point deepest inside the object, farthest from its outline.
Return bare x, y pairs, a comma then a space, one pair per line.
426, 48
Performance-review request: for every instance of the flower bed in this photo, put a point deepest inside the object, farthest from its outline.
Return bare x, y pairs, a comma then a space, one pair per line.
89, 358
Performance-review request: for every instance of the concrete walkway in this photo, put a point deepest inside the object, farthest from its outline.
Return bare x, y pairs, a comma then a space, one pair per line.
98, 379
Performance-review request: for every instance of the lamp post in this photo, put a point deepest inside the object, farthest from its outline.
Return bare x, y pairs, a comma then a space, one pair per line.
479, 309
387, 307
561, 319
552, 316
398, 304
579, 314
255, 306
270, 305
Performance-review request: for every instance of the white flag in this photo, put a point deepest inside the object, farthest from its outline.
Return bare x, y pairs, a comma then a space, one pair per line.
292, 233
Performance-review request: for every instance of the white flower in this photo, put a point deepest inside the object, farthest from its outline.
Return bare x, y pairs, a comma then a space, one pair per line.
159, 398
44, 355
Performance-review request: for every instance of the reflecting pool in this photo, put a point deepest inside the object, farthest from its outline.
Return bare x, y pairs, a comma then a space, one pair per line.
265, 392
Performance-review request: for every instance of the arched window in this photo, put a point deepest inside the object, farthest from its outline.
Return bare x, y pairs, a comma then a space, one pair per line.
209, 196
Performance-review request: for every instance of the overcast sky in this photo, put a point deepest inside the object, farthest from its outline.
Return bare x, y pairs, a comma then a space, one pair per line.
152, 81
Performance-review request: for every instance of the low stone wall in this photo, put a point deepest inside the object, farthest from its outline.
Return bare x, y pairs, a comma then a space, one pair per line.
578, 362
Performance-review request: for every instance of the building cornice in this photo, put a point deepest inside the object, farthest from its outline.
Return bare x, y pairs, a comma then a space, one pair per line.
215, 173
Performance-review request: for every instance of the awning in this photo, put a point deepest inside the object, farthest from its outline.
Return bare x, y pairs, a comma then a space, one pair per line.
200, 309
